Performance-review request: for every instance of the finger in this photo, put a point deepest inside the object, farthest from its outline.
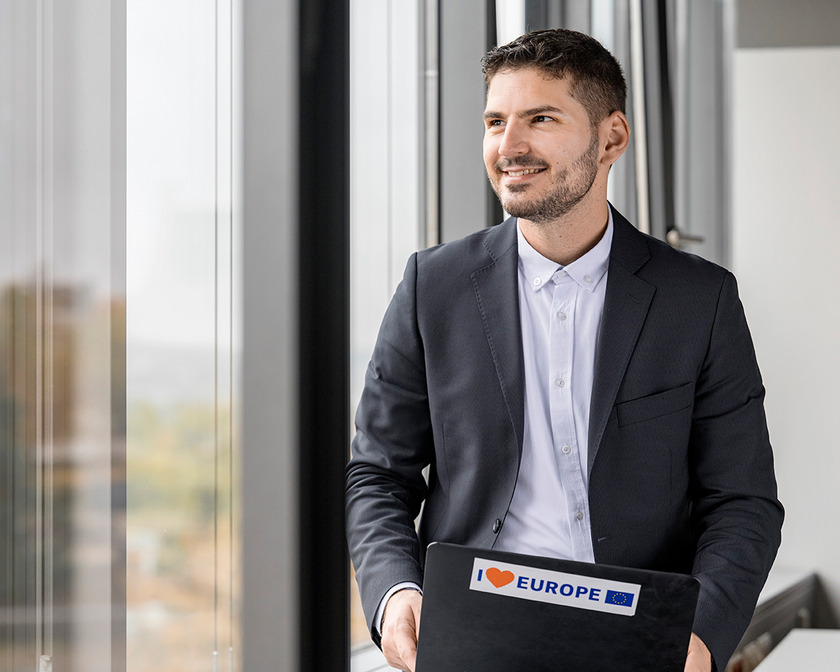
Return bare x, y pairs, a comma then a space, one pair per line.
400, 628
392, 657
699, 658
416, 607
401, 652
408, 652
400, 646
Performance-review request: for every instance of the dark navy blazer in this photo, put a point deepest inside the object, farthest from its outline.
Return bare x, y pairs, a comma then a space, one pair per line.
680, 466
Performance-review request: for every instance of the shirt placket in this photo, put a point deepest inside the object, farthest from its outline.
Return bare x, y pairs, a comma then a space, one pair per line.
566, 449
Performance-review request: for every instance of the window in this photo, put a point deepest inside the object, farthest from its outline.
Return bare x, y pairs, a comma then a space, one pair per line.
182, 456
62, 348
389, 206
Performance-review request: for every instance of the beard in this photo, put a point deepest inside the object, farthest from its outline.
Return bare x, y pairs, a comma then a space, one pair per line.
568, 187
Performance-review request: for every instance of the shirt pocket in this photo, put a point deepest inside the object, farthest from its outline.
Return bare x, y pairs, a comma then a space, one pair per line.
655, 406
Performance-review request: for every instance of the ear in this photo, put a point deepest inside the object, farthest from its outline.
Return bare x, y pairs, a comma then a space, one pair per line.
615, 136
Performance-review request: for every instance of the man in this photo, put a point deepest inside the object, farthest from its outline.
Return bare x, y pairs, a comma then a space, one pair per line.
577, 389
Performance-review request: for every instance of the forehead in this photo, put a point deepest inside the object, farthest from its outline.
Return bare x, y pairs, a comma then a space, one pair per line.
525, 88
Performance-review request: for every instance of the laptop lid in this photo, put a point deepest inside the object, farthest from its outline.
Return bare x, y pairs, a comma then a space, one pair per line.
493, 611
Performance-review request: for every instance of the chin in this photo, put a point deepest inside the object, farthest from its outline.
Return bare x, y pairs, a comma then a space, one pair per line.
518, 208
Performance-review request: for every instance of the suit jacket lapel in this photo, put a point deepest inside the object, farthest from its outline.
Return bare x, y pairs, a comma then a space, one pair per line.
626, 306
496, 287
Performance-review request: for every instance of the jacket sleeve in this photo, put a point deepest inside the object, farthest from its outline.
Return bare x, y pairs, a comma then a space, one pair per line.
384, 483
736, 513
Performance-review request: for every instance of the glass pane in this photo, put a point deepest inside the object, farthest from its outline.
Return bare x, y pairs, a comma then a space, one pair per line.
182, 535
61, 339
388, 201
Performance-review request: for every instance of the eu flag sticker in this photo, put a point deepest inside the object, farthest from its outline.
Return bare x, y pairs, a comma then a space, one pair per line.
619, 599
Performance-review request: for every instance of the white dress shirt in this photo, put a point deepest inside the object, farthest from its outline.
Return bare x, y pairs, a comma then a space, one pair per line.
560, 310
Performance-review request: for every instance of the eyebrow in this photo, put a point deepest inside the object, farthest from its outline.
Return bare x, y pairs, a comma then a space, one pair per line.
489, 114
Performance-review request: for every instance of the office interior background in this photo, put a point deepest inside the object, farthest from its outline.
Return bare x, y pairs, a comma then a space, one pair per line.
205, 206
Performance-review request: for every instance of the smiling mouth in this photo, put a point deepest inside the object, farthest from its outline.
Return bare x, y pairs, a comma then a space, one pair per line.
520, 173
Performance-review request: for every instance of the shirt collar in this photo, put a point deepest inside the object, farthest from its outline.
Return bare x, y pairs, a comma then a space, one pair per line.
587, 271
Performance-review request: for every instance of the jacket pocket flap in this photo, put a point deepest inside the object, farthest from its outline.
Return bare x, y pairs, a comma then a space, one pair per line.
655, 405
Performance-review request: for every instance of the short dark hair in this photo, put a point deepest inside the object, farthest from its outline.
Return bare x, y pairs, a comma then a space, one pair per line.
595, 75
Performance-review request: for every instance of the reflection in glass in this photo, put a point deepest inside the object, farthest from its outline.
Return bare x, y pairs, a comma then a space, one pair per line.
61, 339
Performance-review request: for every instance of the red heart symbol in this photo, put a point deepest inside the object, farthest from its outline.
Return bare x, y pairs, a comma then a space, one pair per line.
499, 578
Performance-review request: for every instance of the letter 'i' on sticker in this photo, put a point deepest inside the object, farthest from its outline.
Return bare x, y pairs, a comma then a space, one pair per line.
480, 572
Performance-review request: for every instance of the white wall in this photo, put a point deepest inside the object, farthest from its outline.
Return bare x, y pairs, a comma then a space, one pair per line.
786, 254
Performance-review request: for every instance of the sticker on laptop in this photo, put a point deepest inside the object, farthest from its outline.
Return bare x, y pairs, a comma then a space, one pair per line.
543, 585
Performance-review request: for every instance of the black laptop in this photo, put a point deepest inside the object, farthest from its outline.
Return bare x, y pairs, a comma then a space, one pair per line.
492, 611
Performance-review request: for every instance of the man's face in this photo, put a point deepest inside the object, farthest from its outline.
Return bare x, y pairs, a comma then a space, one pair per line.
540, 151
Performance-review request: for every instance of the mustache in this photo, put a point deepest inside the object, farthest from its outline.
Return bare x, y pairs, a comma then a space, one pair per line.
524, 161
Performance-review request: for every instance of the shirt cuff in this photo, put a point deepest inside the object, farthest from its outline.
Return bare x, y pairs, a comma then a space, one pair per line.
380, 610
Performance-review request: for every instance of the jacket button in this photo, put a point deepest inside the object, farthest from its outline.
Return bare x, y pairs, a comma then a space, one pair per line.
497, 526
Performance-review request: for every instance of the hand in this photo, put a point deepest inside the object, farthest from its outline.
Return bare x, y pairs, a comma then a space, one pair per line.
400, 625
699, 657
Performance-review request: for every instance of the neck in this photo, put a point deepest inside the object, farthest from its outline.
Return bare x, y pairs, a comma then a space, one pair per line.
568, 238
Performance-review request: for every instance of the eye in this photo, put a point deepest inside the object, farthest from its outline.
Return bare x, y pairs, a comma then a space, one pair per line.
493, 122
540, 118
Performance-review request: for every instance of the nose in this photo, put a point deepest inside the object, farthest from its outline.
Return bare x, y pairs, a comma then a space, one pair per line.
514, 142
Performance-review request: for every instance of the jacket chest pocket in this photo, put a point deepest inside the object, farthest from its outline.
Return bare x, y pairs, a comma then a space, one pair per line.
655, 406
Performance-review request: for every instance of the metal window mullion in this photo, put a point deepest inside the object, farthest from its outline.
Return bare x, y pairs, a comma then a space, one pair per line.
431, 122
49, 349
44, 361
682, 196
223, 329
637, 82
722, 251
270, 592
117, 356
467, 203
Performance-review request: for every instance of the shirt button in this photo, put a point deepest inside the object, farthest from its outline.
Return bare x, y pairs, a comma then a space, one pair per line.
567, 449
561, 315
497, 526
537, 282
560, 382
579, 515
587, 278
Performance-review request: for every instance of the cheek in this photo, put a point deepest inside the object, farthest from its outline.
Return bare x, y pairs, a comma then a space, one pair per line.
490, 158
490, 149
